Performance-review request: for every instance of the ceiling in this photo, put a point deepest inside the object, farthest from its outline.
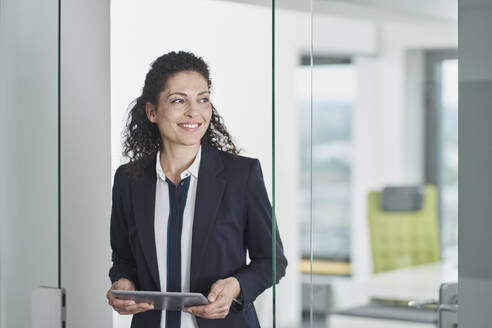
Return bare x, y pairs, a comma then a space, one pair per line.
424, 10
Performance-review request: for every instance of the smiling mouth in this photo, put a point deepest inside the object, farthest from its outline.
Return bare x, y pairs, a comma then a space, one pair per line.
189, 126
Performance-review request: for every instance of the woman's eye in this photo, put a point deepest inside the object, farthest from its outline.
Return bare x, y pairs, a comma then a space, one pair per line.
177, 101
204, 100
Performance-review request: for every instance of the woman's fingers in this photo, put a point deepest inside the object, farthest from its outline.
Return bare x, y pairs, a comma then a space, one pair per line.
217, 309
118, 304
137, 308
215, 290
214, 307
220, 297
134, 308
126, 306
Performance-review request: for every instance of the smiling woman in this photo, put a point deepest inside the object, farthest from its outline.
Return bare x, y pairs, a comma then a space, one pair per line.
183, 111
184, 80
182, 116
187, 208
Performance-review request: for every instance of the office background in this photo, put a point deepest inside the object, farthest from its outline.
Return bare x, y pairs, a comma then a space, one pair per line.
384, 57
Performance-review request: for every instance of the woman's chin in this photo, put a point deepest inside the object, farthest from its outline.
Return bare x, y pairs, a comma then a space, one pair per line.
189, 143
192, 140
185, 140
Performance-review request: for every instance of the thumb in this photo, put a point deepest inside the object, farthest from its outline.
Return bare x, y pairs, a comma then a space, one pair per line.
215, 291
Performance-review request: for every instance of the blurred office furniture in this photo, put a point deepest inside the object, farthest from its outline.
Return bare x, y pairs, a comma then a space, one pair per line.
404, 237
381, 300
403, 227
358, 322
322, 292
328, 267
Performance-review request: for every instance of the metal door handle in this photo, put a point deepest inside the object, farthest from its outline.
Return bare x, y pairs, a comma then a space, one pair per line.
422, 303
448, 308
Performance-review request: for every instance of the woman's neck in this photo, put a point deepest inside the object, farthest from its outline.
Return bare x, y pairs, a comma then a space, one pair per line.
175, 159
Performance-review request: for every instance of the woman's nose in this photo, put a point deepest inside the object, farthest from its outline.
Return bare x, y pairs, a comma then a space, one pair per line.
192, 110
190, 113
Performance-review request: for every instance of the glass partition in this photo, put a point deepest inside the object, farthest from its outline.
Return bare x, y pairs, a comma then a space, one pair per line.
292, 158
383, 156
29, 172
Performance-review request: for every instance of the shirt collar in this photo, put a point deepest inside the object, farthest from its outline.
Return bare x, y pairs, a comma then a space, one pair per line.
191, 170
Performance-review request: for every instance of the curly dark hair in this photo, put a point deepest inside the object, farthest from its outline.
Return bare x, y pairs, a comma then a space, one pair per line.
142, 139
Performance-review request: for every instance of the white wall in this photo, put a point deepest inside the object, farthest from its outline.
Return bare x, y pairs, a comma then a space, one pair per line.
395, 163
237, 50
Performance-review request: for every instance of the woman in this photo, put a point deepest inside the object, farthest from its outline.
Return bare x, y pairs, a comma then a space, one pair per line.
187, 207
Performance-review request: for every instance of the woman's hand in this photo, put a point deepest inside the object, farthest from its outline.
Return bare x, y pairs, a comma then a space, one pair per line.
126, 306
220, 297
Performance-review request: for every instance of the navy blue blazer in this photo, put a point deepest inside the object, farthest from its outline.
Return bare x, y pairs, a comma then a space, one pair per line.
232, 215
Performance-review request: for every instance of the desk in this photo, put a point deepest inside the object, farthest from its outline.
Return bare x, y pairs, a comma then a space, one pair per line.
338, 321
414, 283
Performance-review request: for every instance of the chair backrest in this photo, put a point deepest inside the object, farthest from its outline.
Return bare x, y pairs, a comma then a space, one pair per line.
403, 238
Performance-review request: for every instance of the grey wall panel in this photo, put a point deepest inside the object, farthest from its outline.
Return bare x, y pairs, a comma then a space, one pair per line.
85, 160
475, 180
475, 44
474, 4
474, 302
475, 163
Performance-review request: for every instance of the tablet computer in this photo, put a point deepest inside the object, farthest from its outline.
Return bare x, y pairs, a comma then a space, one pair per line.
169, 301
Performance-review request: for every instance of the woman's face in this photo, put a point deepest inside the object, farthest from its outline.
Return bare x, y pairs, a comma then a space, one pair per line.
183, 111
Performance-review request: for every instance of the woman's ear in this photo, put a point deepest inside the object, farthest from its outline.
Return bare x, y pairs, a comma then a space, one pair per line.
151, 112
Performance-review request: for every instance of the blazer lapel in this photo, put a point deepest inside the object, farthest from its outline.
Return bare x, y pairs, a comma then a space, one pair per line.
209, 193
144, 205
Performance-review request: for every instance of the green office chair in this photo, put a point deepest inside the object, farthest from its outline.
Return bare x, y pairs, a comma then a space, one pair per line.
403, 238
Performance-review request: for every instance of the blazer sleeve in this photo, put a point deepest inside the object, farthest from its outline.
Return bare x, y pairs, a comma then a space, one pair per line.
123, 260
257, 276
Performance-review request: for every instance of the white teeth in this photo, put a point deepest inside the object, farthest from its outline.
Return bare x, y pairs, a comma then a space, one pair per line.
191, 126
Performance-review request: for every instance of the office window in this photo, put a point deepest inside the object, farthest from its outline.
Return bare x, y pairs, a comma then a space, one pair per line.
334, 92
442, 143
